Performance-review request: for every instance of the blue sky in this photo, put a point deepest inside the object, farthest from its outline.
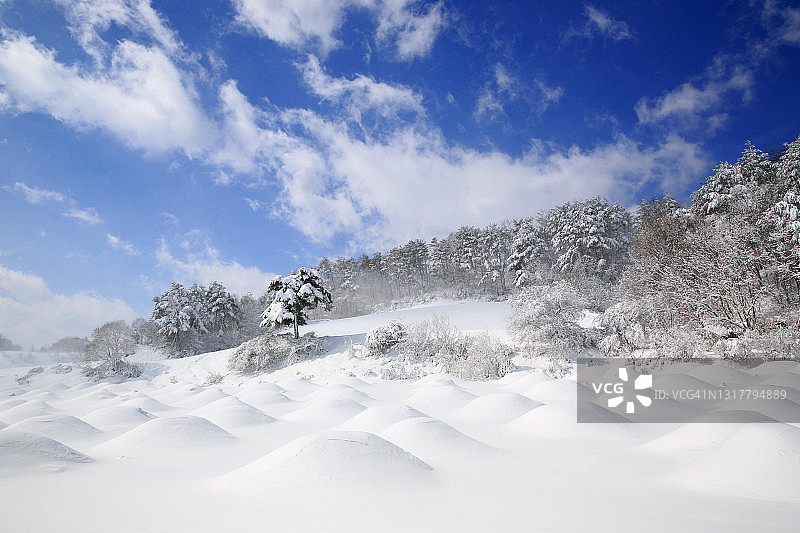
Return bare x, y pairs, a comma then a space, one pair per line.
149, 142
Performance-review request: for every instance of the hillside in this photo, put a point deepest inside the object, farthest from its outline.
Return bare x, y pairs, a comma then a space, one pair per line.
327, 444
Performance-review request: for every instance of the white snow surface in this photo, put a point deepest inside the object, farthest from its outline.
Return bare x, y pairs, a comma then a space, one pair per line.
327, 445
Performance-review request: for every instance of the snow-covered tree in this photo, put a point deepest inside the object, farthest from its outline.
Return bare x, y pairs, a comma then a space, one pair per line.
8, 344
293, 296
528, 250
186, 318
221, 309
174, 316
590, 237
109, 345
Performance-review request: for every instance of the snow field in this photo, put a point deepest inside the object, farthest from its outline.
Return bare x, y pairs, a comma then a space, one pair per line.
327, 445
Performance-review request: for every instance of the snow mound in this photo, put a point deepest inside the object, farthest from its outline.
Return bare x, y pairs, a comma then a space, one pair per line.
45, 396
432, 439
784, 379
440, 399
379, 417
330, 412
771, 368
761, 410
28, 410
759, 461
297, 387
231, 412
719, 374
176, 431
21, 452
553, 391
268, 400
691, 437
58, 427
330, 458
10, 403
118, 418
203, 398
497, 408
337, 391
520, 381
560, 421
144, 402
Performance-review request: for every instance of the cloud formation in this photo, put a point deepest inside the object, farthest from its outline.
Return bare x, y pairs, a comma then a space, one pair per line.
142, 99
35, 195
123, 246
599, 23
201, 263
313, 24
32, 314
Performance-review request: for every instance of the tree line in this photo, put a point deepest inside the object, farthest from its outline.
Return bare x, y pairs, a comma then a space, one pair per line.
726, 262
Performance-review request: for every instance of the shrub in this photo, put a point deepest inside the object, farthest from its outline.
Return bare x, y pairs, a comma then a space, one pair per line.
107, 349
381, 339
105, 369
25, 379
270, 351
213, 378
440, 344
543, 320
628, 325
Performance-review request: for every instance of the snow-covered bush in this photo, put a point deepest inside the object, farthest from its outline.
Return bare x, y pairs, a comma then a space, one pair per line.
105, 369
543, 320
777, 343
25, 379
677, 343
432, 338
628, 325
438, 343
270, 351
381, 339
213, 378
107, 349
485, 358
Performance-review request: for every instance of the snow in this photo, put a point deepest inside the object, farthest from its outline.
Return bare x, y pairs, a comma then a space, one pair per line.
327, 445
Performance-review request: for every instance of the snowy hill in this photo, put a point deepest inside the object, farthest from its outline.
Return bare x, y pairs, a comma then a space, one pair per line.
326, 444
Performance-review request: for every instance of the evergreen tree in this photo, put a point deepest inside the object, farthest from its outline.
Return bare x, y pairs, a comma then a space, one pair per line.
293, 296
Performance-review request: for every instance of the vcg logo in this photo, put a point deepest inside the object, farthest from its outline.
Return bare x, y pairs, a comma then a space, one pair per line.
619, 391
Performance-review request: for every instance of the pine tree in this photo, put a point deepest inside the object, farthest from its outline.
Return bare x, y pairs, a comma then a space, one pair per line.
293, 295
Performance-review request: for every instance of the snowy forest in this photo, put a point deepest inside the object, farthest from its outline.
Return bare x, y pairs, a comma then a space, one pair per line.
720, 274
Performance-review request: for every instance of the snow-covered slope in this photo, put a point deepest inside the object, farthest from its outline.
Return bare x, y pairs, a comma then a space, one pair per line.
326, 445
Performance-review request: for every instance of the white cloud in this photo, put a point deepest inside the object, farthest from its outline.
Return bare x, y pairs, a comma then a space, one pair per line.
505, 87
123, 246
488, 107
87, 19
295, 23
361, 94
35, 195
202, 263
87, 216
413, 184
549, 95
782, 21
601, 22
32, 314
413, 34
692, 102
256, 205
312, 24
143, 99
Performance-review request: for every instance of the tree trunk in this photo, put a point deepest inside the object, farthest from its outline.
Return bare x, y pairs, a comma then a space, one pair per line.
296, 329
